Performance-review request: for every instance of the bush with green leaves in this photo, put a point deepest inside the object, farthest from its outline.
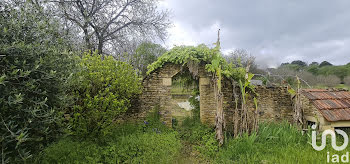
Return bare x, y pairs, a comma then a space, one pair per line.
34, 75
103, 90
32, 84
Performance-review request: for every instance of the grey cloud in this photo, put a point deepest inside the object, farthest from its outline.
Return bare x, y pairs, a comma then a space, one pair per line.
274, 31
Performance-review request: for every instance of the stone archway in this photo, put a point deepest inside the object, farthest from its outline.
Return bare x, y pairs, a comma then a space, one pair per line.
157, 92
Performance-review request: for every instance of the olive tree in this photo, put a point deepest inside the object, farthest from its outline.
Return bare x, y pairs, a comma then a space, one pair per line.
34, 71
108, 23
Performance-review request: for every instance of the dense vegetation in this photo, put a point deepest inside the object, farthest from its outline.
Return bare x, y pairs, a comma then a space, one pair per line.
60, 96
34, 71
324, 75
152, 142
102, 90
49, 89
145, 142
325, 69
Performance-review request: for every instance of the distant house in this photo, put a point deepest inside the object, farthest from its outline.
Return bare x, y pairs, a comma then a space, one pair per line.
328, 109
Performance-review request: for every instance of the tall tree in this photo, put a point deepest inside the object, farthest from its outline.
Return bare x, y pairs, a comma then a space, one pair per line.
341, 72
314, 63
241, 58
145, 54
105, 22
325, 63
299, 62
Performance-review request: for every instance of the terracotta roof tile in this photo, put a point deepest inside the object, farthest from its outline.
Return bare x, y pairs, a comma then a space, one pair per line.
334, 105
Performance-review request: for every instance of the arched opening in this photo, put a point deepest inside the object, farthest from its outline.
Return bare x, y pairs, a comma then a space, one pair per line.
185, 100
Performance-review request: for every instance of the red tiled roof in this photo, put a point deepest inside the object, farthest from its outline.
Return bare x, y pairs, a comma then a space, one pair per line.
334, 105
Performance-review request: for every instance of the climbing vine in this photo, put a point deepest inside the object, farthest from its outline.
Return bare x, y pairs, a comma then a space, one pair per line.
215, 64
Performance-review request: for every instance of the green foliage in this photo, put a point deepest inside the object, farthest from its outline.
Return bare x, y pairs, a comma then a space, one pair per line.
184, 81
294, 67
272, 144
299, 62
34, 75
208, 146
26, 24
200, 136
103, 89
195, 103
325, 69
325, 63
314, 69
282, 133
214, 64
314, 63
133, 148
210, 57
69, 150
192, 130
147, 142
145, 148
145, 54
340, 71
182, 55
33, 93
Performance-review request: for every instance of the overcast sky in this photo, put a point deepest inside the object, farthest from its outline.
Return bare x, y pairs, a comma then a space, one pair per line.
274, 31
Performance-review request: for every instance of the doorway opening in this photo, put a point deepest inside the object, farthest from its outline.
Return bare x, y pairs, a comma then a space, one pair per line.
184, 97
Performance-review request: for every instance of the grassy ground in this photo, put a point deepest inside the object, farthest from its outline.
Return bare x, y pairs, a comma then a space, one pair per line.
190, 142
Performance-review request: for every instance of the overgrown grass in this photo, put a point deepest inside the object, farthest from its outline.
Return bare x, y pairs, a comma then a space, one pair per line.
274, 143
146, 142
153, 142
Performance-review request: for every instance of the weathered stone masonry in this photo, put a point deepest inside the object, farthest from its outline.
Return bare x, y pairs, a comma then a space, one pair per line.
274, 103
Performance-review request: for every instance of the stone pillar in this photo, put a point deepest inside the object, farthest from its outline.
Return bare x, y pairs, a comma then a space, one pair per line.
165, 110
207, 101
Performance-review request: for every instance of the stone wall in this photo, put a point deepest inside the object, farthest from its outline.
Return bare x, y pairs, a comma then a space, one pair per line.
312, 114
274, 103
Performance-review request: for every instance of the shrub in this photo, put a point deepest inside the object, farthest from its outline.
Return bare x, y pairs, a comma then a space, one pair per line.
32, 96
103, 89
34, 70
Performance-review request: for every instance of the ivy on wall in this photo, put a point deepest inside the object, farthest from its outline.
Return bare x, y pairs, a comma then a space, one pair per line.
192, 57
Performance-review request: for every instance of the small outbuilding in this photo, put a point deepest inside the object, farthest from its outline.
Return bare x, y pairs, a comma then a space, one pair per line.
327, 108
